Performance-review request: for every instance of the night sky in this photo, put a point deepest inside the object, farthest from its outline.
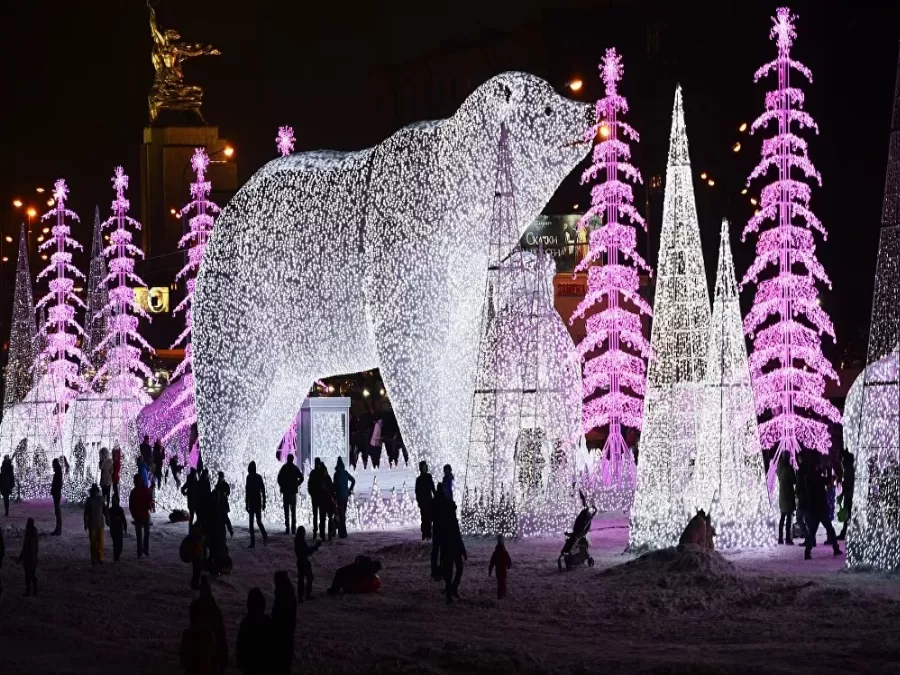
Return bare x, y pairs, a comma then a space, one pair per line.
76, 77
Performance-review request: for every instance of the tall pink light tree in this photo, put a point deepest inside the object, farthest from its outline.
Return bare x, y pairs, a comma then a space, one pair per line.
617, 372
122, 343
61, 359
786, 322
199, 228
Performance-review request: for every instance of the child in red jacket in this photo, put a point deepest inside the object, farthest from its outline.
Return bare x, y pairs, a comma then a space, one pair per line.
502, 562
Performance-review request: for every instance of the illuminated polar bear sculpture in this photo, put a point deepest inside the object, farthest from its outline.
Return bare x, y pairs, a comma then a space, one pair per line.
328, 263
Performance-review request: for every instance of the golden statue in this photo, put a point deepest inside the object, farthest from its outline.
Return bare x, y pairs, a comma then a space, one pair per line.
169, 90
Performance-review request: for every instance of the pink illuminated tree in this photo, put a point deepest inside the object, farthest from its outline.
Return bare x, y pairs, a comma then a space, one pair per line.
123, 343
285, 140
617, 372
61, 359
199, 228
786, 322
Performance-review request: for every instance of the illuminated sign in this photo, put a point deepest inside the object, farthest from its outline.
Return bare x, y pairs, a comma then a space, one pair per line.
154, 300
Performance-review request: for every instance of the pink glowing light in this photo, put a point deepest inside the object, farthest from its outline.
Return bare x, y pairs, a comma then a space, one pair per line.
285, 140
617, 372
786, 322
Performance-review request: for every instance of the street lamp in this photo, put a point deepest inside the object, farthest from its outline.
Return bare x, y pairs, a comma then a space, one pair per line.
229, 151
575, 85
17, 203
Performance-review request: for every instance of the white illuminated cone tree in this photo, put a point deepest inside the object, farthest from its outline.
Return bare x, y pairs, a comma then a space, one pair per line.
61, 358
199, 229
728, 479
679, 342
95, 319
22, 347
123, 371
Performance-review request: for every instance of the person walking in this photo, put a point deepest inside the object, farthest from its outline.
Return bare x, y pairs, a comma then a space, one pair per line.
255, 502
143, 469
375, 444
118, 526
28, 558
343, 488
501, 562
302, 551
7, 482
56, 494
425, 498
190, 491
447, 483
284, 625
159, 459
117, 469
95, 518
290, 478
146, 450
224, 492
175, 469
313, 489
209, 615
786, 501
254, 642
848, 484
139, 503
818, 511
198, 647
106, 475
453, 552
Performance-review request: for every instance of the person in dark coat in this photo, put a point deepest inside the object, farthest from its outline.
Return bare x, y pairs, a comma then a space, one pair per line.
314, 489
786, 502
7, 482
438, 508
327, 504
210, 616
118, 526
159, 458
425, 498
302, 551
175, 469
190, 491
290, 478
804, 465
254, 642
447, 482
198, 647
139, 503
501, 562
453, 552
224, 492
343, 488
56, 493
848, 485
818, 510
146, 450
28, 558
351, 576
284, 624
255, 502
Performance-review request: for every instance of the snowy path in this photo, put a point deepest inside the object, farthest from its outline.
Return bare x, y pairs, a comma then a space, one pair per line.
773, 613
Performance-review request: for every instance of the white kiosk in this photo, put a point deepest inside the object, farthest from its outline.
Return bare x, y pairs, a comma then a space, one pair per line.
325, 430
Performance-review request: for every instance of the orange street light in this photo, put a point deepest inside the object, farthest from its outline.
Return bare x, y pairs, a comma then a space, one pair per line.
173, 212
711, 182
753, 201
576, 84
8, 239
743, 127
41, 238
17, 203
31, 212
5, 259
736, 147
703, 176
39, 190
229, 151
604, 130
744, 191
43, 256
45, 230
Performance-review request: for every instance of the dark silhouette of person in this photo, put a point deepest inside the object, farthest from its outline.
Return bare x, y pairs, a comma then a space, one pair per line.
198, 647
159, 458
56, 493
818, 509
326, 503
501, 562
284, 624
343, 488
190, 491
139, 503
118, 526
28, 558
290, 478
195, 553
438, 506
314, 489
425, 498
254, 642
848, 485
255, 502
146, 450
224, 492
175, 469
787, 478
453, 552
210, 616
7, 482
302, 551
350, 577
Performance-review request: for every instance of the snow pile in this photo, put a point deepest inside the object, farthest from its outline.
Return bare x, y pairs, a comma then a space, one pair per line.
687, 560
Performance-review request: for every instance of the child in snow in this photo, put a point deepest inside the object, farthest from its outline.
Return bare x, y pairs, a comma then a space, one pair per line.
194, 551
118, 525
29, 557
501, 562
304, 569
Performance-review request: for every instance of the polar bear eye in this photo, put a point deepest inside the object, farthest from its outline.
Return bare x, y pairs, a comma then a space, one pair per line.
548, 111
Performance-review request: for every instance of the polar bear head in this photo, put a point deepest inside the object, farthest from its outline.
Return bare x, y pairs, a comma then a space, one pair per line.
546, 134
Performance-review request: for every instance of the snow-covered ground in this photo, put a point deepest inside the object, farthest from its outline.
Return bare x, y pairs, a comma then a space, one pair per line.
753, 612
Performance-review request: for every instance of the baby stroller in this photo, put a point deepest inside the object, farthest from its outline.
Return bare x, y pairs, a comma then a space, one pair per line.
575, 550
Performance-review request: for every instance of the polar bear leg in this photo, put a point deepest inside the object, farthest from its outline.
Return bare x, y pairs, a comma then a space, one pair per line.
285, 395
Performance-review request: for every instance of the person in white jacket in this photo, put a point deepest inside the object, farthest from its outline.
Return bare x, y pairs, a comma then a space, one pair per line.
106, 475
375, 445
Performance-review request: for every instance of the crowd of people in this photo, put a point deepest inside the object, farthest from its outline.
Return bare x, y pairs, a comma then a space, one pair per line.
810, 492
